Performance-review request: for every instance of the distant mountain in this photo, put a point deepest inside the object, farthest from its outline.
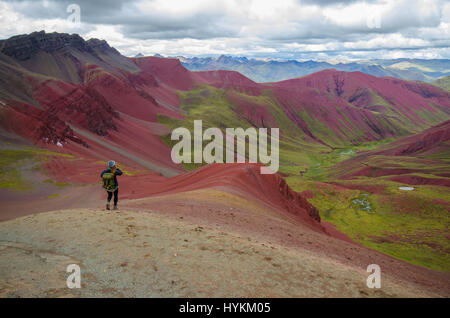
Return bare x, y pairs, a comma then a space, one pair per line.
139, 55
443, 82
274, 70
430, 69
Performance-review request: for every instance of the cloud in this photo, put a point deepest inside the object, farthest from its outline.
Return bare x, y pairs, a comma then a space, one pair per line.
289, 28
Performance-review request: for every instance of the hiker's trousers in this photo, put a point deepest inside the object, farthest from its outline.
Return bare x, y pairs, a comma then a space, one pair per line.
116, 196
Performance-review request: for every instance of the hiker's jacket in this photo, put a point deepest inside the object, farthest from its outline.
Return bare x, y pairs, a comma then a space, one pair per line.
117, 173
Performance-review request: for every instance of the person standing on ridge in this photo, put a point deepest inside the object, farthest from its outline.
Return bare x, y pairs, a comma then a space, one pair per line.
110, 183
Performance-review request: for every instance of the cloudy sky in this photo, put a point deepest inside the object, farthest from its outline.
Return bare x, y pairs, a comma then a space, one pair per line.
294, 29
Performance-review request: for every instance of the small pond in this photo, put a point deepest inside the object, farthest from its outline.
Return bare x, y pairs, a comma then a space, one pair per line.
406, 188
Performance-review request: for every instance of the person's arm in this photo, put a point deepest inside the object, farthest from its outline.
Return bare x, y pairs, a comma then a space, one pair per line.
118, 172
101, 174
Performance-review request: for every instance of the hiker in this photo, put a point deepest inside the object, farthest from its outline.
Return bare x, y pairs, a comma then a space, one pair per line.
109, 177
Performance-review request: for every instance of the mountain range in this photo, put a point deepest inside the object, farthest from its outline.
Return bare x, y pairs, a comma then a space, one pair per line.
350, 142
63, 84
277, 70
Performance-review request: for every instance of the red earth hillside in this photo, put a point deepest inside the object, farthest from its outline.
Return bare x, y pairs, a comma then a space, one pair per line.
430, 141
425, 153
229, 80
360, 107
243, 179
103, 100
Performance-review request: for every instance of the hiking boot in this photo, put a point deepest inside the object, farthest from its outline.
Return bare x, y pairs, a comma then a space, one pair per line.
107, 206
115, 207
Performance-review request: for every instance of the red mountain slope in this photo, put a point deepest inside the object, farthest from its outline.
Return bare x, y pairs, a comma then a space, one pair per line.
92, 94
417, 159
248, 182
430, 141
337, 106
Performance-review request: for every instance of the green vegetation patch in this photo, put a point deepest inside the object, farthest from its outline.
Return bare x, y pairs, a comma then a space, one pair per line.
13, 161
408, 225
57, 183
443, 82
324, 165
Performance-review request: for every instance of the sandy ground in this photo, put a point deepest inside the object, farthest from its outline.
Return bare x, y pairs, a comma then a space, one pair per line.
203, 243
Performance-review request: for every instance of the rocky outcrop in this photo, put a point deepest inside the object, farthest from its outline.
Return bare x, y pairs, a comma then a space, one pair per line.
296, 201
24, 47
78, 105
40, 126
101, 45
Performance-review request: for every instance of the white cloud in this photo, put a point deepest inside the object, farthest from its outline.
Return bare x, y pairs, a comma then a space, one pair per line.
14, 23
289, 28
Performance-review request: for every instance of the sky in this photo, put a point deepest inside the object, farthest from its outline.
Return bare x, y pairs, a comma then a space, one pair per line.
276, 29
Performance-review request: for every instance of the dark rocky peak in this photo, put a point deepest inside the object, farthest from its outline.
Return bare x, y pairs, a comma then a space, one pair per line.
24, 47
101, 45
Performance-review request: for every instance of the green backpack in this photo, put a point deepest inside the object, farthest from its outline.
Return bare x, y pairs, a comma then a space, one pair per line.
108, 181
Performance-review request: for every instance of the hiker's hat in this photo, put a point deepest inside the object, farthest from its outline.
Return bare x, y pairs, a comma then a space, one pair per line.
111, 163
